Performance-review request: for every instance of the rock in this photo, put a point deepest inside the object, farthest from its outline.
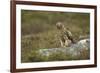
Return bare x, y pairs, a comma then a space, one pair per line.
79, 50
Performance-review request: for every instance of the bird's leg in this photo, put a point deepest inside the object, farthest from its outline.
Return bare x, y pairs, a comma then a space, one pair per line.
62, 44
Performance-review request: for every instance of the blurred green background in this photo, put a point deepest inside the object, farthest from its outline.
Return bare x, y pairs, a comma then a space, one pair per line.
38, 29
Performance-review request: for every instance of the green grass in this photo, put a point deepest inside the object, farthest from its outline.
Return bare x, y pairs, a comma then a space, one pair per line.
38, 30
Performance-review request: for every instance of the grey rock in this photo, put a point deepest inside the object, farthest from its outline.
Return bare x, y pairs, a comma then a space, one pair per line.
75, 50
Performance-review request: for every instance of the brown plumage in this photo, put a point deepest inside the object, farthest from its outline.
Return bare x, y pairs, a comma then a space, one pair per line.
65, 34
